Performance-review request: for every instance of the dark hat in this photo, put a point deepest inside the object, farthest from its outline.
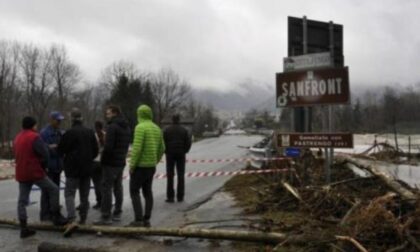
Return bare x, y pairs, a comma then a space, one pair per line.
76, 114
28, 122
56, 116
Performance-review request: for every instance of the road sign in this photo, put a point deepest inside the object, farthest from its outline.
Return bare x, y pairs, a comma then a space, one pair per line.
313, 87
292, 152
317, 38
313, 60
315, 140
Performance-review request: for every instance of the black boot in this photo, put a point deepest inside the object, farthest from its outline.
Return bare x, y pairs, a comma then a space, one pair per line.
25, 231
59, 219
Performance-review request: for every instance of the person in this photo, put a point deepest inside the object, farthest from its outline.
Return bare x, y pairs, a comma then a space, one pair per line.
114, 154
79, 148
51, 135
177, 143
147, 150
97, 170
31, 156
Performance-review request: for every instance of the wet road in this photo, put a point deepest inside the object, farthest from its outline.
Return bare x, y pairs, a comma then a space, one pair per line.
164, 214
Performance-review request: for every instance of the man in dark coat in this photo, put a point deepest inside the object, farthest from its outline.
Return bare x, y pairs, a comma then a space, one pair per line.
31, 157
51, 135
113, 159
178, 144
79, 147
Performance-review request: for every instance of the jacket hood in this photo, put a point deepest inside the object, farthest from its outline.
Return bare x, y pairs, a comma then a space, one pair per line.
120, 121
144, 113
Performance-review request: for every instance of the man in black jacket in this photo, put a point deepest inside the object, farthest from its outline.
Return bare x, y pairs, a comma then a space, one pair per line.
178, 143
114, 154
79, 147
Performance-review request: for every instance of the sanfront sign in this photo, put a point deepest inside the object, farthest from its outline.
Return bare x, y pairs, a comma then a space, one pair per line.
313, 87
315, 140
314, 60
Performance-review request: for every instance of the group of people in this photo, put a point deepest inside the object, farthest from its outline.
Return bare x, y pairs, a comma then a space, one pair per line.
99, 156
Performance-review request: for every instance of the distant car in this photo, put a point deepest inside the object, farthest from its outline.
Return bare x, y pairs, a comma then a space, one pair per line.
234, 132
211, 134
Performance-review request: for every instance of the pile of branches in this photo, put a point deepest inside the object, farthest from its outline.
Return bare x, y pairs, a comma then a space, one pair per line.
386, 152
367, 211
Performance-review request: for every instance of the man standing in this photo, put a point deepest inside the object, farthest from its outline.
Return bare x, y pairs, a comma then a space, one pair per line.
97, 170
178, 143
31, 161
114, 154
51, 135
148, 148
79, 148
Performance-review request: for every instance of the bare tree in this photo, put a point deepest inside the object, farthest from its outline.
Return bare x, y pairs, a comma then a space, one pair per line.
111, 75
170, 93
38, 81
9, 90
65, 74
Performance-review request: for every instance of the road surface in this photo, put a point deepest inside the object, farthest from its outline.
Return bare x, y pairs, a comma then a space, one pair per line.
164, 214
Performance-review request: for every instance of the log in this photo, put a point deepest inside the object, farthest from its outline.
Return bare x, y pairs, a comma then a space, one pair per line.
386, 178
53, 247
349, 213
249, 236
292, 191
353, 241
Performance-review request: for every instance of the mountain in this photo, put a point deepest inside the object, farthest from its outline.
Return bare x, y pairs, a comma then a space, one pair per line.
246, 96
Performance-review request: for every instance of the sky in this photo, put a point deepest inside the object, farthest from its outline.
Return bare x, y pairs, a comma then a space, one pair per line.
218, 43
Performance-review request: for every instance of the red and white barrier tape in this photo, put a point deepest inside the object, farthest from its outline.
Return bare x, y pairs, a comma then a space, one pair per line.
194, 161
221, 173
233, 160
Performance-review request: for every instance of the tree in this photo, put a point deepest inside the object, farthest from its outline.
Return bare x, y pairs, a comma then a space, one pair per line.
65, 74
38, 81
9, 91
169, 93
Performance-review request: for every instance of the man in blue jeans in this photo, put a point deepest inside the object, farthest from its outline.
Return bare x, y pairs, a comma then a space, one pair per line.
31, 161
51, 135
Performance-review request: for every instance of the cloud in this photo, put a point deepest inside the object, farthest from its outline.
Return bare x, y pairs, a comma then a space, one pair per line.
215, 43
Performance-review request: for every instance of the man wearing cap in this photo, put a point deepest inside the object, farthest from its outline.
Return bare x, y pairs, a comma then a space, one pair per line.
79, 148
31, 157
51, 135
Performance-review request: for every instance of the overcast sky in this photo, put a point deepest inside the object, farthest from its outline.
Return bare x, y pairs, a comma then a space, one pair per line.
218, 43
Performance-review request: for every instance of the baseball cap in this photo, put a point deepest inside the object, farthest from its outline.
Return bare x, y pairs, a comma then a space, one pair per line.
56, 116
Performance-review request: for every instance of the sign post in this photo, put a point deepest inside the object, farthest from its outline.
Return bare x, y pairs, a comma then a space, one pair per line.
314, 74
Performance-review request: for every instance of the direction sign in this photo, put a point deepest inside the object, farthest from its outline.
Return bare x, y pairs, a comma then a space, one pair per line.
313, 60
313, 87
315, 140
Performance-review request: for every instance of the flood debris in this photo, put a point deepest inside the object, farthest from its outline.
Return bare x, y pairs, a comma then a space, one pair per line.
353, 213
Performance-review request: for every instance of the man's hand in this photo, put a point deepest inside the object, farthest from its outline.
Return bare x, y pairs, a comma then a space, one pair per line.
131, 170
53, 146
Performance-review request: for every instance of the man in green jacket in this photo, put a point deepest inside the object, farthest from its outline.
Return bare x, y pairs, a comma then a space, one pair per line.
148, 148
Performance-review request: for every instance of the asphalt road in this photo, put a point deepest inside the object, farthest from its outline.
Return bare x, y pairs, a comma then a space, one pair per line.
164, 214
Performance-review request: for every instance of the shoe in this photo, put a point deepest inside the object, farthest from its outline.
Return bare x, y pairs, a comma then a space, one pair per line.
136, 224
180, 199
146, 223
82, 220
169, 200
116, 216
103, 222
97, 206
45, 218
78, 208
26, 232
59, 220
